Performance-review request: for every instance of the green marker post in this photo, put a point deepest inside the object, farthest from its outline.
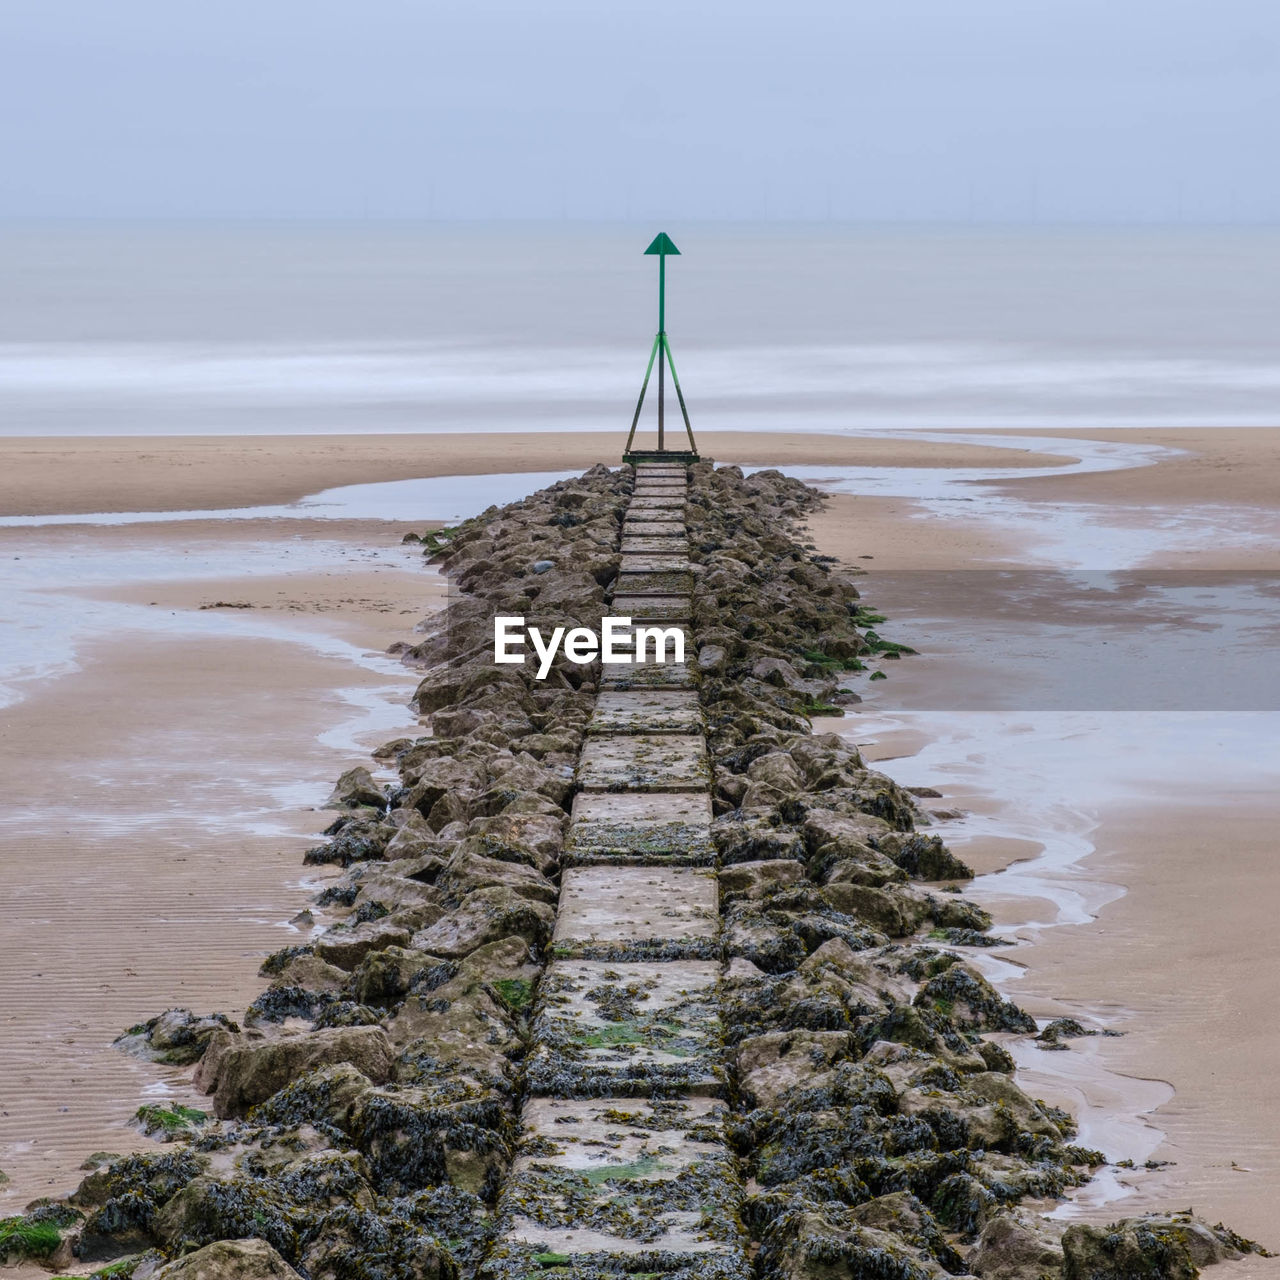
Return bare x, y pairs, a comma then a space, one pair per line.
661, 352
662, 333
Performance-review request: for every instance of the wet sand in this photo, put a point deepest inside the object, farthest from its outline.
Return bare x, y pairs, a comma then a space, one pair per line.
1238, 465
1192, 950
161, 796
1157, 828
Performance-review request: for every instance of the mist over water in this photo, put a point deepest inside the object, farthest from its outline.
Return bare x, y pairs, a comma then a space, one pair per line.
204, 328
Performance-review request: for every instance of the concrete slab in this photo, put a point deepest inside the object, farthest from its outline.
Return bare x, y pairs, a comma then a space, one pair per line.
672, 503
660, 469
646, 711
668, 545
638, 913
644, 762
649, 675
657, 639
667, 645
632, 1028
621, 1176
631, 583
642, 806
628, 827
641, 527
656, 562
678, 608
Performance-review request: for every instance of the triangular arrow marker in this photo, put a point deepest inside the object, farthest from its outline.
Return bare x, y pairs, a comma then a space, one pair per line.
662, 243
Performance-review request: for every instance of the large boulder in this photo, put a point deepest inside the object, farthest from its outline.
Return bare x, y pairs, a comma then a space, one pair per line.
414, 1140
1153, 1247
250, 1259
323, 1099
905, 1216
385, 884
779, 673
386, 976
777, 769
1015, 1246
434, 779
923, 857
743, 837
354, 1244
522, 836
345, 948
487, 915
712, 659
885, 909
307, 970
464, 1026
756, 880
177, 1036
524, 778
413, 839
807, 1245
971, 1002
211, 1208
771, 780
243, 1070
772, 1065
771, 946
470, 869
356, 789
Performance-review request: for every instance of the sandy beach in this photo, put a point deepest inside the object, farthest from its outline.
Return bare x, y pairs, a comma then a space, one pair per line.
120, 802
123, 473
1220, 465
164, 785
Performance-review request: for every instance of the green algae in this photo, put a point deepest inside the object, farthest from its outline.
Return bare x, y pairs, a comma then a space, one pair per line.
169, 1120
625, 1033
819, 709
516, 993
21, 1237
640, 1168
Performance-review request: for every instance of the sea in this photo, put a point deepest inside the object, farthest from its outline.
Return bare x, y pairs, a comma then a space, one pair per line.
164, 329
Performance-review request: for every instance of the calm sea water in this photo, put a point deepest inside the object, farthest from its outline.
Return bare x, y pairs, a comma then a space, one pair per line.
206, 329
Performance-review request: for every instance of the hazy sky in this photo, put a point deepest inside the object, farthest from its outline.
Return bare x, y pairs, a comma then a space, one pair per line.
1165, 110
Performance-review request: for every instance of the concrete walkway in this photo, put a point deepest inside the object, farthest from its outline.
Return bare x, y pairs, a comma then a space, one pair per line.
622, 1165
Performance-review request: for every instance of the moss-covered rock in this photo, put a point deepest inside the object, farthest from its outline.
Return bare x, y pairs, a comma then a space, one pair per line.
241, 1071
210, 1208
807, 1245
1154, 1247
250, 1259
966, 998
176, 1037
1016, 1246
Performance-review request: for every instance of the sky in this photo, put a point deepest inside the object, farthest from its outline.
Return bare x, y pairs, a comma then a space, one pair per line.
1000, 111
